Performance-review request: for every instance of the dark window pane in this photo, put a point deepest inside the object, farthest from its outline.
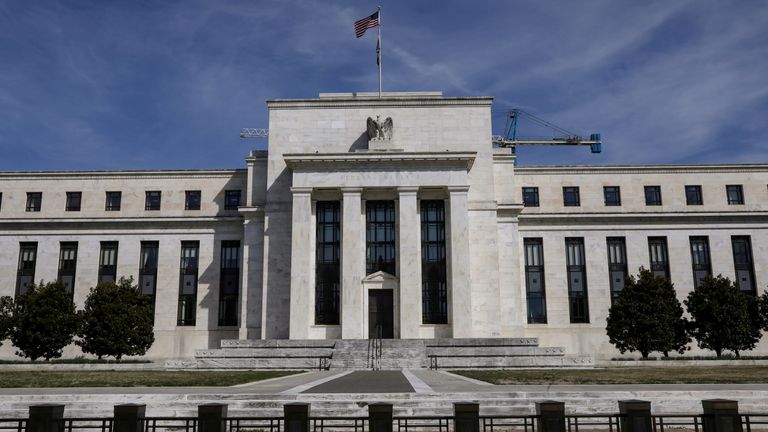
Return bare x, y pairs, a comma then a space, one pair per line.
229, 282
113, 201
693, 195
34, 201
380, 238
531, 196
735, 194
700, 259
73, 201
192, 200
108, 262
434, 282
571, 196
188, 271
328, 263
577, 280
742, 260
534, 280
68, 264
612, 195
231, 199
659, 257
652, 195
617, 265
152, 201
25, 274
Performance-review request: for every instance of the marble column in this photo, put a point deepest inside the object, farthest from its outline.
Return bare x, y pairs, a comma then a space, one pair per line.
352, 265
251, 292
301, 264
458, 277
409, 255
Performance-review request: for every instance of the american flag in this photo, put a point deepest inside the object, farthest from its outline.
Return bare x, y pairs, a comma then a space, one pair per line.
364, 24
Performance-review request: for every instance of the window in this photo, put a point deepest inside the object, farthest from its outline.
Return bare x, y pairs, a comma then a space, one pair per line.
328, 263
25, 274
68, 265
735, 194
612, 195
530, 197
380, 237
34, 201
571, 196
659, 258
231, 199
148, 270
577, 280
693, 195
229, 282
152, 201
617, 265
1, 200
192, 200
742, 262
73, 201
108, 262
113, 201
188, 283
653, 195
434, 282
700, 259
534, 281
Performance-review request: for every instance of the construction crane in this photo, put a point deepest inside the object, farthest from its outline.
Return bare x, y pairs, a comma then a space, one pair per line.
254, 133
562, 136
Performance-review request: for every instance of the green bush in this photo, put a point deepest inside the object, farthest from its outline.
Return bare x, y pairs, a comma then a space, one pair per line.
44, 321
6, 313
647, 317
117, 321
722, 317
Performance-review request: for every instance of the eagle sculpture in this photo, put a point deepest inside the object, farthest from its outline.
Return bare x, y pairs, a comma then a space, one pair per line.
378, 130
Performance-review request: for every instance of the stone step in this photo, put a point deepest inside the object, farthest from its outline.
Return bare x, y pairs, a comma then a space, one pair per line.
263, 363
502, 362
480, 342
493, 351
277, 343
265, 352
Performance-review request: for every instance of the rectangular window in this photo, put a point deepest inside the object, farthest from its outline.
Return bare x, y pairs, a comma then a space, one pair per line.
612, 195
702, 266
735, 194
1, 200
434, 281
530, 197
380, 237
188, 282
68, 265
534, 281
743, 263
659, 257
34, 201
617, 265
231, 199
25, 274
328, 263
113, 201
108, 262
192, 200
73, 201
152, 201
693, 195
653, 195
577, 280
229, 282
571, 196
148, 270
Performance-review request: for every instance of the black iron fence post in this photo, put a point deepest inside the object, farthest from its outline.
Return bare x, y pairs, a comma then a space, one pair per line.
721, 415
380, 417
550, 416
212, 417
45, 418
635, 416
466, 417
128, 417
296, 417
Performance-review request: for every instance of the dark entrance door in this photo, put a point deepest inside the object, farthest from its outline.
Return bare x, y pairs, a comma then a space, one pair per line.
380, 313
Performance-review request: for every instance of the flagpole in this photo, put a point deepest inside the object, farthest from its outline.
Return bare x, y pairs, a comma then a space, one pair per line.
379, 53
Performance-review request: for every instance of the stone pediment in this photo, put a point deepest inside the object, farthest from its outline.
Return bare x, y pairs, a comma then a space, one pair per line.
380, 276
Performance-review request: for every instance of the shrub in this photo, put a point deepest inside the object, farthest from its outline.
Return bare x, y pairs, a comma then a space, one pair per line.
722, 317
6, 312
117, 321
44, 321
647, 317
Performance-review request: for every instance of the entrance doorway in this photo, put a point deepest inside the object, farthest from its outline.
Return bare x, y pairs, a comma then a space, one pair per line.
380, 314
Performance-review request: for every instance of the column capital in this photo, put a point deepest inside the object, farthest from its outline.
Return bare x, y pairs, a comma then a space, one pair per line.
301, 190
457, 189
407, 190
351, 190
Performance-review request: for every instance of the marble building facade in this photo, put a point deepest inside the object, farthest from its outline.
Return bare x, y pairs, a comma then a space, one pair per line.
424, 231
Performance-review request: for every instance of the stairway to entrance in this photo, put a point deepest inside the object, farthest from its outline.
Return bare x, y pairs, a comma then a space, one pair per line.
470, 353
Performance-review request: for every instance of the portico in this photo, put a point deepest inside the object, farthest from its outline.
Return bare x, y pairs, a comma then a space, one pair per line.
376, 284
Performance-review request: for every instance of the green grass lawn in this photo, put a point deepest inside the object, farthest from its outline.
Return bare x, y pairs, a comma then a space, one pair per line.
626, 375
84, 378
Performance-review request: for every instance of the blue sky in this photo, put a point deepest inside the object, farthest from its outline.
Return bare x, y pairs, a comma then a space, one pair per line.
168, 84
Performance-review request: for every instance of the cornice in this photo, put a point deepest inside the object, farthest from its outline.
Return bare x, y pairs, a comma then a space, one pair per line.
120, 175
298, 161
386, 101
640, 169
121, 220
646, 217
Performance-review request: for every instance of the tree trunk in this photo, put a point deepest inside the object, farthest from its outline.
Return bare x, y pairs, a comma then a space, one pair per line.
644, 354
719, 352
